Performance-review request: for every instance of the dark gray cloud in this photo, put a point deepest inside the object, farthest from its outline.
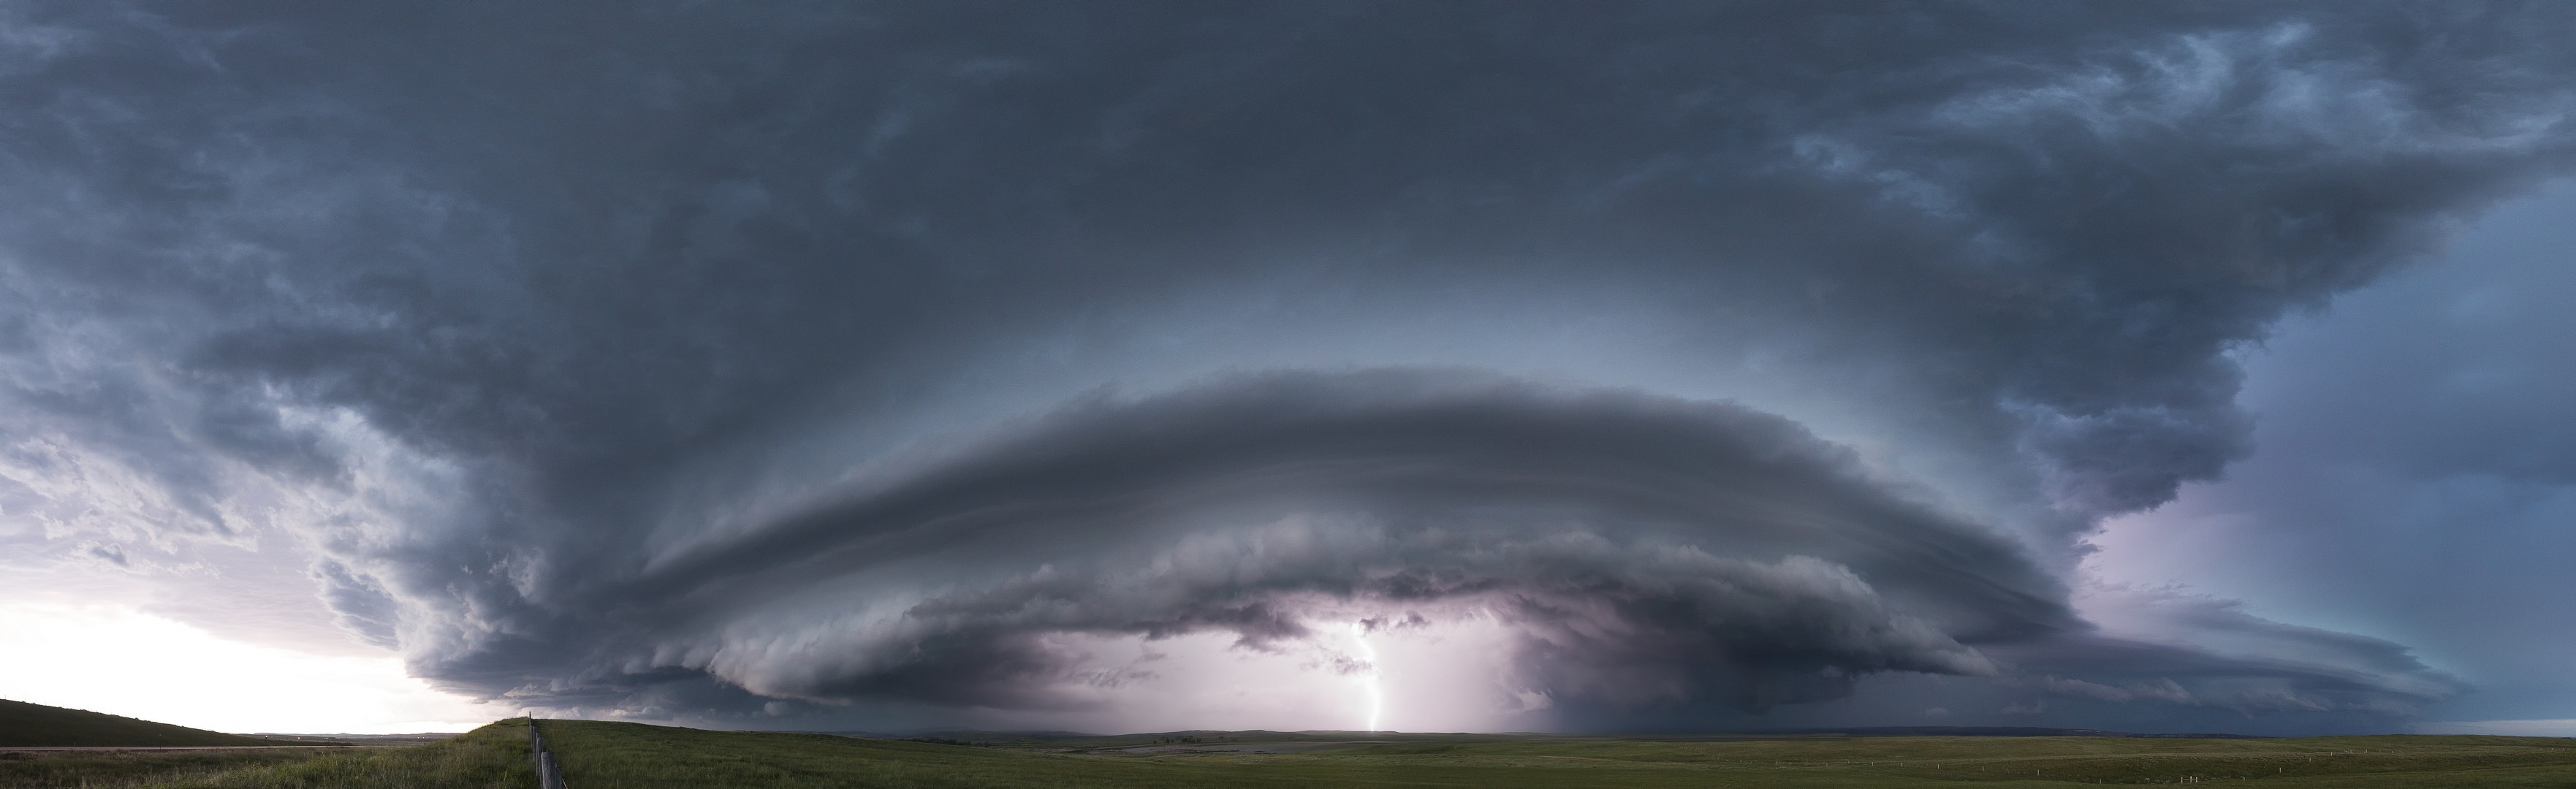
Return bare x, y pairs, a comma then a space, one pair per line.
1651, 546
1653, 553
2199, 651
561, 330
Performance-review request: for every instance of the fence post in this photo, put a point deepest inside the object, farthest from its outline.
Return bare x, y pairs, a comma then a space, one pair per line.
549, 773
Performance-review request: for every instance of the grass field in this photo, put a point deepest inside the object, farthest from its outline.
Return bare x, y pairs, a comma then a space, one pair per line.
109, 769
599, 755
25, 725
492, 757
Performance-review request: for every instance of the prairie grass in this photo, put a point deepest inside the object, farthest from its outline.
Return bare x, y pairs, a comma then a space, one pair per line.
117, 769
599, 755
493, 757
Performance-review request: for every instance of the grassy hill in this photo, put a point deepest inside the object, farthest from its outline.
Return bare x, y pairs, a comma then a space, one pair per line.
24, 725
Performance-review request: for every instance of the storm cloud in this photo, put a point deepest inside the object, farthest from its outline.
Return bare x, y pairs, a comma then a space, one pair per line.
857, 353
1689, 538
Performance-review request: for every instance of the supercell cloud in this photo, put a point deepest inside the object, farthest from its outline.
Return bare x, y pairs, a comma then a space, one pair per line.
1649, 547
885, 364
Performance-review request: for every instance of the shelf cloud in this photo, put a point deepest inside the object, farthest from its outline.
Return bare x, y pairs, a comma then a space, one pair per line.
677, 359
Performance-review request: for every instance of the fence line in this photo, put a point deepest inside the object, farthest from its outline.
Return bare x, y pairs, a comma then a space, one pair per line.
549, 773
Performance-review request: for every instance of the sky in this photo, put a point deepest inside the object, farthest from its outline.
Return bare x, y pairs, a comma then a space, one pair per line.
1141, 366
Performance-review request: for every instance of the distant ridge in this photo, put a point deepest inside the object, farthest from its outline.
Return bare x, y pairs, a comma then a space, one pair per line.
24, 725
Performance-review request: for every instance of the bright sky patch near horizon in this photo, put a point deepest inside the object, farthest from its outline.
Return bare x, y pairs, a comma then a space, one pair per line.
123, 662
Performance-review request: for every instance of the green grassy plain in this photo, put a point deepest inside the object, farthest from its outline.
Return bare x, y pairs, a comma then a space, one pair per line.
598, 755
112, 769
492, 757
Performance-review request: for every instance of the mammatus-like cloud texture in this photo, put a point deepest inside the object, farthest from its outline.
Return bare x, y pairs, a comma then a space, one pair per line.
681, 359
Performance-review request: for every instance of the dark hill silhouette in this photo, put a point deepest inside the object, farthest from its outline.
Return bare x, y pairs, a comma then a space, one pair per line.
24, 725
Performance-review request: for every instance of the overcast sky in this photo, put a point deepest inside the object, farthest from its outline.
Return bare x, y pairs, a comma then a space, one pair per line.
1429, 366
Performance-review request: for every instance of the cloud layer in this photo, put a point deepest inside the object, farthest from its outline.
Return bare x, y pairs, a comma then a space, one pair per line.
758, 351
1655, 550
